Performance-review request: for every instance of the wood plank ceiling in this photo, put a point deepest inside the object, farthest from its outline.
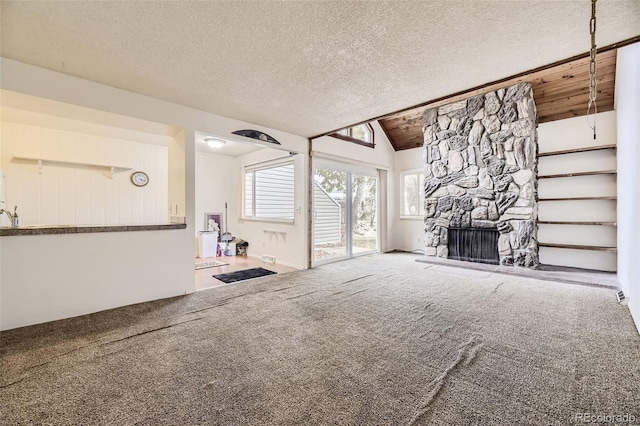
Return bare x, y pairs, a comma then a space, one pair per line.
560, 92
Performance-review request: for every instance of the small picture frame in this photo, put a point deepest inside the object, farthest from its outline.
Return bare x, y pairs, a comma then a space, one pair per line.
211, 219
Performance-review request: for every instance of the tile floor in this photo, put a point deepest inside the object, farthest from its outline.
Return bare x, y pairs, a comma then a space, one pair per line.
205, 279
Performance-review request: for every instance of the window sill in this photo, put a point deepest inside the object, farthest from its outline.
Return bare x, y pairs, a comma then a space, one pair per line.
268, 220
354, 140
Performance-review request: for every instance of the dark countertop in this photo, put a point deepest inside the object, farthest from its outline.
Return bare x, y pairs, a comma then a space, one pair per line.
82, 229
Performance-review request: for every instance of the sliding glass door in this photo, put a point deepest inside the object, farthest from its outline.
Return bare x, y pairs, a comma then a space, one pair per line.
345, 213
364, 214
329, 215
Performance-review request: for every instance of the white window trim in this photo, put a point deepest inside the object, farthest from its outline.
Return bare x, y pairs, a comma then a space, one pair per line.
268, 220
264, 166
403, 215
347, 132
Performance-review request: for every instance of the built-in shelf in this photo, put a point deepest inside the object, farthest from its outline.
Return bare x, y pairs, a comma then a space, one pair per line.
613, 197
575, 150
578, 198
561, 222
578, 247
573, 174
109, 167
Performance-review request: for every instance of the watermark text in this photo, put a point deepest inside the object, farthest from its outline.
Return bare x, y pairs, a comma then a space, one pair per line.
601, 418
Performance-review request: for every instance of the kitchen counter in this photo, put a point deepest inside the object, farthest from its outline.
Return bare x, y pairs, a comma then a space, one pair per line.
6, 231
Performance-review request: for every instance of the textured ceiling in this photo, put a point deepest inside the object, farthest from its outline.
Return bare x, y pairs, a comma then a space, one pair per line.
304, 67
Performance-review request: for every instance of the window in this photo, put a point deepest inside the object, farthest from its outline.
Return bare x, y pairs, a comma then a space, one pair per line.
361, 134
269, 192
411, 192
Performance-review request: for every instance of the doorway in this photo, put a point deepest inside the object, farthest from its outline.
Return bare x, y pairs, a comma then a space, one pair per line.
345, 212
235, 205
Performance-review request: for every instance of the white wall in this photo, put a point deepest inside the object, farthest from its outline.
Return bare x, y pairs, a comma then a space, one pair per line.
286, 241
628, 113
77, 193
568, 134
380, 157
50, 277
216, 183
177, 169
167, 266
408, 233
381, 154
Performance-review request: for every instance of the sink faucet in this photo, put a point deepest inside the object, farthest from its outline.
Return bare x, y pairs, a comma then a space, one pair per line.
12, 217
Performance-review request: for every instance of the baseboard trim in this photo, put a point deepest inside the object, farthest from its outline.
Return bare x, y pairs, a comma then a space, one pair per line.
290, 265
634, 309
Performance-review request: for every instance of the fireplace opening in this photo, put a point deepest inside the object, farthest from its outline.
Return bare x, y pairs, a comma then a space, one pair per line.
474, 245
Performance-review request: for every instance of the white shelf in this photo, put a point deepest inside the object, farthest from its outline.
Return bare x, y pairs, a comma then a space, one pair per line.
109, 167
575, 150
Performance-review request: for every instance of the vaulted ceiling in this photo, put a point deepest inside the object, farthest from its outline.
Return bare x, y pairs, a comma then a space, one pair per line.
560, 91
304, 67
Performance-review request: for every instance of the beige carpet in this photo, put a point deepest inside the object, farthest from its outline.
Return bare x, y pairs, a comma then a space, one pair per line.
371, 341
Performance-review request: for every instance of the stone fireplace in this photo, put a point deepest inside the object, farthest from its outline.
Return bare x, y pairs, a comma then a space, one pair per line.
480, 173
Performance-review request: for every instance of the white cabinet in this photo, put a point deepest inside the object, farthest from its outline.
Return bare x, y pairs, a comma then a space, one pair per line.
207, 244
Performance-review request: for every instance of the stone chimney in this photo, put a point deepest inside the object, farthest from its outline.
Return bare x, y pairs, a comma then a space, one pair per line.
480, 172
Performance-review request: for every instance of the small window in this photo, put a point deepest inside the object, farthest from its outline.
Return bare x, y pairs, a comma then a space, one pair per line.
411, 193
361, 134
269, 192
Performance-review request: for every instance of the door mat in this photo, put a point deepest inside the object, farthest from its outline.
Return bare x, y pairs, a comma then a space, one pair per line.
246, 274
210, 264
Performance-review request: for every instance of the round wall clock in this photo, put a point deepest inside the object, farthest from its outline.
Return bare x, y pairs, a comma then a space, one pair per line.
139, 178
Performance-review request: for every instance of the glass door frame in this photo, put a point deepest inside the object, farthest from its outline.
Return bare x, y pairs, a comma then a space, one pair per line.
350, 172
370, 173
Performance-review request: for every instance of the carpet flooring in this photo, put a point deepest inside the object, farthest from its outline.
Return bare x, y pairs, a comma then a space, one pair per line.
245, 274
377, 340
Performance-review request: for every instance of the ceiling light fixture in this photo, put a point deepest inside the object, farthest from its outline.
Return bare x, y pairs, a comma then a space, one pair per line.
214, 143
257, 135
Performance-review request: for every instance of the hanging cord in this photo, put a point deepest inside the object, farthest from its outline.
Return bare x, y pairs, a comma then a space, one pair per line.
593, 84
